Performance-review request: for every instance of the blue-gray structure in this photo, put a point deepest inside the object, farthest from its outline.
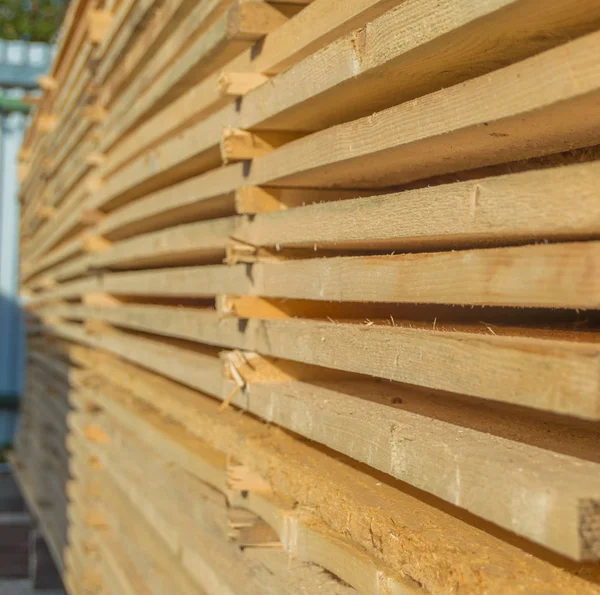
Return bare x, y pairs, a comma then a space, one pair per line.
20, 65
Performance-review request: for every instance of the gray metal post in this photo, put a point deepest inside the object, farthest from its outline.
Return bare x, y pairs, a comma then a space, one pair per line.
10, 373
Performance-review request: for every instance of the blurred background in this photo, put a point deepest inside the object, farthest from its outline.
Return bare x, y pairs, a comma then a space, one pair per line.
27, 34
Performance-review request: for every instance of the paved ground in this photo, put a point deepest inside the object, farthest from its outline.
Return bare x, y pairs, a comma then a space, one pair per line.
23, 587
18, 540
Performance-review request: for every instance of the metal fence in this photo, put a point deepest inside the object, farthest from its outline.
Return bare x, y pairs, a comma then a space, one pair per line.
20, 64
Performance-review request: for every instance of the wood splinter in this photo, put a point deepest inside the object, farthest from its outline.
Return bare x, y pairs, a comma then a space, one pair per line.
237, 251
232, 364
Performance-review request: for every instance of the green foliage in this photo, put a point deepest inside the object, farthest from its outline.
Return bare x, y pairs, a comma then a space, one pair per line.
32, 20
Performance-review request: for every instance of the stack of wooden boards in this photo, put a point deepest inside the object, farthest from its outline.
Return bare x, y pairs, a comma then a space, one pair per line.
313, 296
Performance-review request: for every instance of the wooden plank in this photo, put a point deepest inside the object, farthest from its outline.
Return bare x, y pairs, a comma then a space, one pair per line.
195, 199
352, 564
53, 257
47, 232
76, 267
199, 367
508, 35
280, 403
193, 282
556, 371
170, 530
157, 47
413, 50
256, 199
72, 36
74, 135
114, 556
223, 181
68, 33
65, 223
20, 474
369, 495
76, 167
64, 62
129, 16
71, 129
314, 27
66, 109
544, 275
66, 270
76, 75
153, 560
514, 113
75, 84
191, 243
73, 171
192, 454
552, 275
219, 35
483, 110
187, 201
205, 551
67, 290
499, 210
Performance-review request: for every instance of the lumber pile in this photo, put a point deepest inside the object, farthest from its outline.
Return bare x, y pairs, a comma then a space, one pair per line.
42, 467
313, 295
